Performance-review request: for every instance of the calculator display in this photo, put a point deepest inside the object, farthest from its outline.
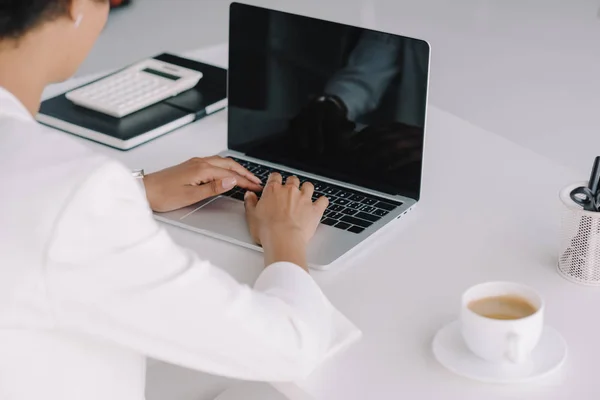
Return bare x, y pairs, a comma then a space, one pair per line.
161, 74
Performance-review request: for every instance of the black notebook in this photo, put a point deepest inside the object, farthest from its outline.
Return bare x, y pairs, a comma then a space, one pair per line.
207, 97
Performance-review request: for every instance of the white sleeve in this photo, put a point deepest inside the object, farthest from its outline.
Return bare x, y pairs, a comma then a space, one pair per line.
114, 273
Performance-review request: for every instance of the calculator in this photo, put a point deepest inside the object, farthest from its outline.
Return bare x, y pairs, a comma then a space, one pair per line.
135, 88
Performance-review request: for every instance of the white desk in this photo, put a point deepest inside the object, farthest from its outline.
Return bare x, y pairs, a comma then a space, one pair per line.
489, 211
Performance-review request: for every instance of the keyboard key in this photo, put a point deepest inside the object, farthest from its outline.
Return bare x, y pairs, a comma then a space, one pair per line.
368, 201
368, 209
385, 206
393, 202
380, 212
357, 197
336, 215
342, 225
354, 205
336, 208
356, 221
260, 171
330, 191
329, 221
368, 217
343, 203
355, 229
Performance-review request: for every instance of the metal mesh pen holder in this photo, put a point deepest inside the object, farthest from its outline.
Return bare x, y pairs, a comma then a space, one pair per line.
579, 251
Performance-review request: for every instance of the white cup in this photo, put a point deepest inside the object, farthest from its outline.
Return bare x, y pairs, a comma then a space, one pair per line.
501, 340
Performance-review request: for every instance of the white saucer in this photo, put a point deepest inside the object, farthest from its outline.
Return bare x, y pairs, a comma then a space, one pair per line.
451, 351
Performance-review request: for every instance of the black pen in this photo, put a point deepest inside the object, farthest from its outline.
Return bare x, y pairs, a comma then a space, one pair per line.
594, 182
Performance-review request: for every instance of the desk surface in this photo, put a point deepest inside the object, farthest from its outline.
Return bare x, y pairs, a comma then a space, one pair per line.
489, 211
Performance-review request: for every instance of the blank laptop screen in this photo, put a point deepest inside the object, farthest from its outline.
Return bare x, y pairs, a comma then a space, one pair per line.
331, 99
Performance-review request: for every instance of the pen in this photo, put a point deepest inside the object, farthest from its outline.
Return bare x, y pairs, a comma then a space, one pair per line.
595, 177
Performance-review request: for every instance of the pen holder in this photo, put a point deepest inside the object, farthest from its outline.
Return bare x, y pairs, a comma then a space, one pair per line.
579, 251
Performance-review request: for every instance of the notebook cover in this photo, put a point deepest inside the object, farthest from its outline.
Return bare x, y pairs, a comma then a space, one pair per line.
209, 90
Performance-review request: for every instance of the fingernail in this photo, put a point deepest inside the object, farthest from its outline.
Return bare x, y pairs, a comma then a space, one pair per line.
246, 195
228, 183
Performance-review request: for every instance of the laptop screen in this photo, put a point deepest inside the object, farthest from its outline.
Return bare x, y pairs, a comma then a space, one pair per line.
335, 100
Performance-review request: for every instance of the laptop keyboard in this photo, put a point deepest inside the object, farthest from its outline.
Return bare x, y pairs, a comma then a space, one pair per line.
348, 210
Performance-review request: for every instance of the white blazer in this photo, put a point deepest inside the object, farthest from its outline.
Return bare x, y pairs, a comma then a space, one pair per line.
90, 284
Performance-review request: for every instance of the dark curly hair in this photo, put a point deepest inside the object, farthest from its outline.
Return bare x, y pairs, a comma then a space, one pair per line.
17, 17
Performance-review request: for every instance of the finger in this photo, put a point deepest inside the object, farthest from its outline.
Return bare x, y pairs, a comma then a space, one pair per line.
274, 179
228, 163
250, 201
293, 181
321, 204
194, 194
214, 173
307, 189
244, 183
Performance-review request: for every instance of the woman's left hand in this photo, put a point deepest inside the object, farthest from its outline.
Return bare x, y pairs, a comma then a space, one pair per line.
196, 180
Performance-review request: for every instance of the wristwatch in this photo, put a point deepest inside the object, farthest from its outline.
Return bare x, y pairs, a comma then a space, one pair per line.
138, 175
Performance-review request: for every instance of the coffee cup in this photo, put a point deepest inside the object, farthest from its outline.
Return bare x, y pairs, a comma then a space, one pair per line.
502, 321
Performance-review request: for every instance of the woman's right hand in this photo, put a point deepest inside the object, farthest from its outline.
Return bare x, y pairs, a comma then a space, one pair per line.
284, 219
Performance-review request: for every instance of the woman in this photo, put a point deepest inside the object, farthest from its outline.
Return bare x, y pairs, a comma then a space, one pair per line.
90, 285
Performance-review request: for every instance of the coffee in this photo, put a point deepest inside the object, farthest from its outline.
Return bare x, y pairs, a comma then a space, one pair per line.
503, 307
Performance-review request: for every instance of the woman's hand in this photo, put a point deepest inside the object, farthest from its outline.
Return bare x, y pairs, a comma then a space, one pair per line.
284, 219
196, 180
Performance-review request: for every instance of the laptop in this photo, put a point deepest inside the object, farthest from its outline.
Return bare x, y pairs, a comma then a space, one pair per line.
340, 106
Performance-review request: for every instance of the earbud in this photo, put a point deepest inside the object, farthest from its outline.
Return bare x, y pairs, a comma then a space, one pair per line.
78, 20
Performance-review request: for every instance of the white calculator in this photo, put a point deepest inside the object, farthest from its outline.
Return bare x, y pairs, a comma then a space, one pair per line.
135, 88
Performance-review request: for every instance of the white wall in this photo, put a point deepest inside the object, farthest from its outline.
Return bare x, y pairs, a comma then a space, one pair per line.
527, 70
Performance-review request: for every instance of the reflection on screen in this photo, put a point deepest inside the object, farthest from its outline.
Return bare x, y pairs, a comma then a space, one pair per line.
343, 102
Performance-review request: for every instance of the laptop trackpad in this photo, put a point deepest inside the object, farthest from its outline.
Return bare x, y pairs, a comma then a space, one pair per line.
222, 216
